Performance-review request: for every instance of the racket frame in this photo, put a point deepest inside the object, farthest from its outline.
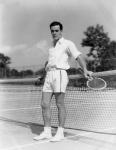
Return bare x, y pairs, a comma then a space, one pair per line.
92, 78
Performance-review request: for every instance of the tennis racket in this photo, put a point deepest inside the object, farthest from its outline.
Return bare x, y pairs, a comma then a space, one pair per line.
95, 83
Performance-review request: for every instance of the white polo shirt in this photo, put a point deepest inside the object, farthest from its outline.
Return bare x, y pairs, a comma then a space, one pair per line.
59, 55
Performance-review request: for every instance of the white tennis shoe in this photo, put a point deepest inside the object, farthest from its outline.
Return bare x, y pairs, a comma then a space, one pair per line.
59, 136
42, 136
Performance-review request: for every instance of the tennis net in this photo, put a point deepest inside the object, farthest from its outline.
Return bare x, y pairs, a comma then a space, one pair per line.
86, 109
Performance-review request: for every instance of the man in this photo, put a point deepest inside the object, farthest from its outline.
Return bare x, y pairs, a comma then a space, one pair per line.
56, 80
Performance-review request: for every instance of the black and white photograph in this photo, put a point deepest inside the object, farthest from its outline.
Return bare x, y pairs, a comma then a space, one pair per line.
57, 74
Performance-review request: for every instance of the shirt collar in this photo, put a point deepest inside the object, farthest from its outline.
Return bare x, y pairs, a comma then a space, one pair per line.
60, 41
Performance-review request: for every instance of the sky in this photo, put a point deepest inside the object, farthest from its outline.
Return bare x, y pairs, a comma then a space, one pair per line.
24, 26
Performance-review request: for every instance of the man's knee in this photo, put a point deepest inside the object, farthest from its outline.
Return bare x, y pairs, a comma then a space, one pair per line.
60, 104
60, 99
45, 105
46, 99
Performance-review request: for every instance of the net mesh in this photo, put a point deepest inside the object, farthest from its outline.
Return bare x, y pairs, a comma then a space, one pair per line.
86, 109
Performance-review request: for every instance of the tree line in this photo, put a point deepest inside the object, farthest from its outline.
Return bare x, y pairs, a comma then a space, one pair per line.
101, 55
102, 50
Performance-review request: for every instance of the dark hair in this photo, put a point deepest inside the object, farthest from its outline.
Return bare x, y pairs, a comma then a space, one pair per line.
55, 23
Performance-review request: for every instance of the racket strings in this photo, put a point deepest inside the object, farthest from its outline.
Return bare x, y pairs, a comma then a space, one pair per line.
96, 83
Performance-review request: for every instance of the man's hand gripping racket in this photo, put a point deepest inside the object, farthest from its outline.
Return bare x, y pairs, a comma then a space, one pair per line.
93, 82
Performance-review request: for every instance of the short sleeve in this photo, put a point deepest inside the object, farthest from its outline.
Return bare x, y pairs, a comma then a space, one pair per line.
72, 50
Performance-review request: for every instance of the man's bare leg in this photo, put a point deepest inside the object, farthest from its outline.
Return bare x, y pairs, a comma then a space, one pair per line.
45, 104
61, 116
61, 108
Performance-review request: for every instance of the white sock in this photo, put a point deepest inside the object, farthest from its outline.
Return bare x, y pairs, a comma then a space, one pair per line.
47, 129
60, 130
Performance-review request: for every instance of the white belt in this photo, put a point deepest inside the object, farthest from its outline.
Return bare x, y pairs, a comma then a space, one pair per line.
54, 68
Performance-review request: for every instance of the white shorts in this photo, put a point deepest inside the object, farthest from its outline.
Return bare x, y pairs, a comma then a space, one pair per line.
56, 81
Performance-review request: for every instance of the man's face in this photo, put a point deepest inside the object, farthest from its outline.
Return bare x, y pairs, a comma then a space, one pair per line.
56, 32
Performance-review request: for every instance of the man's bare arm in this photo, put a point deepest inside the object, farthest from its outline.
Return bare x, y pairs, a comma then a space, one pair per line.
82, 63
